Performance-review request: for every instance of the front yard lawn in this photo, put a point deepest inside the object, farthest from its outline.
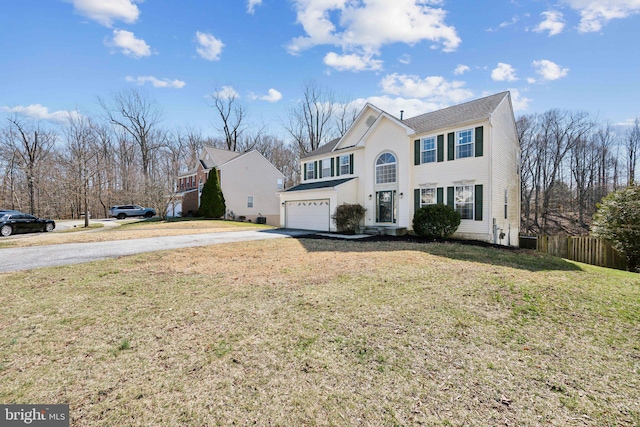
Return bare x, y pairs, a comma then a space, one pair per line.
323, 332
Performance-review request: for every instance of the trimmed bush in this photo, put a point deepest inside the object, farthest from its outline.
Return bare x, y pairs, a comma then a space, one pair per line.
347, 217
435, 221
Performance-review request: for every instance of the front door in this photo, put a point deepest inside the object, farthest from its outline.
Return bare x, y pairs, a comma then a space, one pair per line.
386, 206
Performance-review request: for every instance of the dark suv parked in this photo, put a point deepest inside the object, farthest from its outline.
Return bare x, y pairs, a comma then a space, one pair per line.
124, 211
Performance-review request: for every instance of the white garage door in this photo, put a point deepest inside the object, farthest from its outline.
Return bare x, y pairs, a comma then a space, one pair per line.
308, 214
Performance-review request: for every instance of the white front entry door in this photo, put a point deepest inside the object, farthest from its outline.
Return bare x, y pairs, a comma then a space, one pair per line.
308, 215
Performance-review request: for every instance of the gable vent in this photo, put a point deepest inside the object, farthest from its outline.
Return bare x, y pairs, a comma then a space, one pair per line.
370, 121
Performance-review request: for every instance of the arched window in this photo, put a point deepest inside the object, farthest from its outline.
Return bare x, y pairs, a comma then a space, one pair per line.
386, 168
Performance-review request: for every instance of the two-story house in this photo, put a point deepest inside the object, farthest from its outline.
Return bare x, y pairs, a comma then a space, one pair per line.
249, 183
466, 156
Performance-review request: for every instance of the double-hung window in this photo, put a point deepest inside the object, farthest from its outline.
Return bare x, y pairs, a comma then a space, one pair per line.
428, 152
464, 144
428, 196
344, 165
464, 201
250, 201
310, 170
326, 167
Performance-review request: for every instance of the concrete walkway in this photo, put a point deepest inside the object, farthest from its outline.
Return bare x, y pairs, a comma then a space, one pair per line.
15, 259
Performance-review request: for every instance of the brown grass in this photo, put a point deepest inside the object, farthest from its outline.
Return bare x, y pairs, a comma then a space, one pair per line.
322, 332
127, 230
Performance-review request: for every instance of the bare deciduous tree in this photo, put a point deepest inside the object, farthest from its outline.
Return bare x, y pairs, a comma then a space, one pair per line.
632, 143
31, 147
139, 116
232, 116
310, 123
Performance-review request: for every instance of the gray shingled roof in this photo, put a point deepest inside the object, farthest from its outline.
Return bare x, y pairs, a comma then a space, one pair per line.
469, 112
319, 184
323, 149
472, 111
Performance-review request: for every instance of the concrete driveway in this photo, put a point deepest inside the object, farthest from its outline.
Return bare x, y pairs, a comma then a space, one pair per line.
15, 259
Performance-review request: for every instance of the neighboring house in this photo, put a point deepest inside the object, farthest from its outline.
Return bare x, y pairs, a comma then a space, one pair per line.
249, 183
466, 156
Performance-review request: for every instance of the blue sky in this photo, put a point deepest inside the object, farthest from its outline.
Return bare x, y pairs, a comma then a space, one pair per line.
58, 56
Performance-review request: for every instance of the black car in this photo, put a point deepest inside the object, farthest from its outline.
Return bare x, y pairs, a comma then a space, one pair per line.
12, 222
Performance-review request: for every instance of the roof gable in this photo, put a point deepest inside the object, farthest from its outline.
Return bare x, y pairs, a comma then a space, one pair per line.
212, 156
468, 112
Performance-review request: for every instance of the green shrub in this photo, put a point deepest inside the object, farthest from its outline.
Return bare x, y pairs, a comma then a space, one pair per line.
436, 221
618, 221
347, 217
212, 203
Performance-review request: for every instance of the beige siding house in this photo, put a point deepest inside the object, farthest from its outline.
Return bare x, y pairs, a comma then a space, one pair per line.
249, 183
466, 156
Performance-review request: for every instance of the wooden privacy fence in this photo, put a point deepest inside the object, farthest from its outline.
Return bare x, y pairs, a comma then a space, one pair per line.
589, 250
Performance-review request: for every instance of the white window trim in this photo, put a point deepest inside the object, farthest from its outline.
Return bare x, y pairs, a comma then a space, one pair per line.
472, 143
250, 201
310, 171
434, 149
472, 202
346, 164
395, 163
322, 168
435, 195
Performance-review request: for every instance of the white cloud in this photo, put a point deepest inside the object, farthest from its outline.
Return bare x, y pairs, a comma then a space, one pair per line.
405, 59
549, 70
503, 72
352, 62
209, 47
364, 27
435, 90
40, 112
461, 69
251, 5
505, 24
141, 80
519, 101
595, 14
531, 80
227, 92
129, 44
411, 106
106, 12
553, 23
272, 96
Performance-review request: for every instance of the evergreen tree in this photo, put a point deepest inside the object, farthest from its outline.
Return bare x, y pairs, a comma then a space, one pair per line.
618, 221
212, 200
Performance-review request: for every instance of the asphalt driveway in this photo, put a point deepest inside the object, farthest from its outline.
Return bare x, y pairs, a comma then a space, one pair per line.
15, 259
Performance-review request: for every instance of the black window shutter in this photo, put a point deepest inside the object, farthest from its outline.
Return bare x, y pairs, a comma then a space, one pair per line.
351, 163
416, 152
305, 171
416, 200
338, 166
451, 146
450, 197
440, 148
440, 195
333, 169
315, 169
478, 203
319, 168
479, 141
